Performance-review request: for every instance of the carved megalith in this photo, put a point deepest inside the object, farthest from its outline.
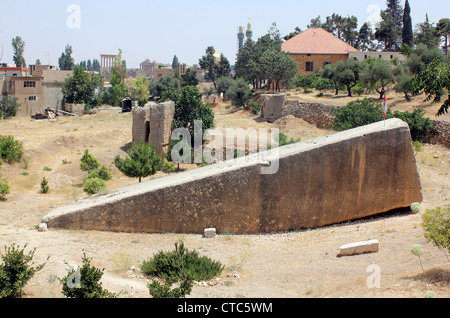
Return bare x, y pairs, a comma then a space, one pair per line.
153, 123
349, 175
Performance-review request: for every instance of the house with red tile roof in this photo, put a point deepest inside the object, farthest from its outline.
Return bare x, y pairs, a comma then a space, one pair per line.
314, 48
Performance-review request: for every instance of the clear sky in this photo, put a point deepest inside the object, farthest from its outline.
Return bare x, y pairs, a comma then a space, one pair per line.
158, 30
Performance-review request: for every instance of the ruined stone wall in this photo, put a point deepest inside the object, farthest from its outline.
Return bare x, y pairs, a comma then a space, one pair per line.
344, 176
153, 123
314, 113
441, 136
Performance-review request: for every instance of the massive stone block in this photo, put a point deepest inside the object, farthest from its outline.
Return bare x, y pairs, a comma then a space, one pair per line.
153, 123
161, 118
332, 179
140, 128
272, 108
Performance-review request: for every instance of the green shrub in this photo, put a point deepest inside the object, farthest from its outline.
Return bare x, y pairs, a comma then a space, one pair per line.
8, 106
10, 149
419, 126
417, 145
84, 282
256, 107
15, 272
364, 112
103, 173
44, 185
358, 89
357, 113
4, 189
181, 264
284, 140
94, 185
158, 290
436, 224
88, 162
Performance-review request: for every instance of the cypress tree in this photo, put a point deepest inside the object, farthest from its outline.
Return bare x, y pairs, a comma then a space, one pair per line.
407, 35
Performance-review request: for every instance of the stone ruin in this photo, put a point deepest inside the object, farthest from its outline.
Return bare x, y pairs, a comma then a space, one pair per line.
153, 124
331, 179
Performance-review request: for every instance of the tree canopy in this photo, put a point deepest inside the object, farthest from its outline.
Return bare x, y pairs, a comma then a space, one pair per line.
66, 61
19, 48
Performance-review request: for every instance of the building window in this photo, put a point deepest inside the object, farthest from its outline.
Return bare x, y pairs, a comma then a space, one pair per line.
29, 84
309, 66
32, 98
326, 63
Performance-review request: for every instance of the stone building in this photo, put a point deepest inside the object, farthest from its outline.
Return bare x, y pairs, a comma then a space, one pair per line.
35, 92
314, 48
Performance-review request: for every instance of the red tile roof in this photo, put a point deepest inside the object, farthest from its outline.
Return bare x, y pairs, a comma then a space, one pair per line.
316, 41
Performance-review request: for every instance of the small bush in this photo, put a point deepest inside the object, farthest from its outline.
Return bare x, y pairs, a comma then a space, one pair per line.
44, 185
104, 173
158, 290
436, 224
15, 272
88, 162
419, 125
417, 145
10, 149
357, 113
181, 264
94, 185
4, 189
8, 107
84, 282
256, 107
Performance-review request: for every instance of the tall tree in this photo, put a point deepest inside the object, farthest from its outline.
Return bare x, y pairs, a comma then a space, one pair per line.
407, 32
80, 88
427, 34
365, 38
315, 23
207, 63
349, 73
19, 48
387, 31
96, 66
396, 10
349, 32
443, 29
377, 74
223, 67
175, 65
274, 33
66, 61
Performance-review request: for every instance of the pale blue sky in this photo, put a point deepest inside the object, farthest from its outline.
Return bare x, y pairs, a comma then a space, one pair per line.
158, 30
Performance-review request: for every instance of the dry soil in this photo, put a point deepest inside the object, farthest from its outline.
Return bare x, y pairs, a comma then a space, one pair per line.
301, 264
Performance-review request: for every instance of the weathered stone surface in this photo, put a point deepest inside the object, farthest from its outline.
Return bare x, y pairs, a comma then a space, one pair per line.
272, 107
141, 128
349, 175
314, 113
371, 246
210, 233
42, 227
161, 118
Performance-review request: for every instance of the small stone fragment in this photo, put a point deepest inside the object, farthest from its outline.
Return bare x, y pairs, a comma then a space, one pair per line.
209, 233
371, 246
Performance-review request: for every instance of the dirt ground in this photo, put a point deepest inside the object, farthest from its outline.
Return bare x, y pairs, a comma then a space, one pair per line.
300, 264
